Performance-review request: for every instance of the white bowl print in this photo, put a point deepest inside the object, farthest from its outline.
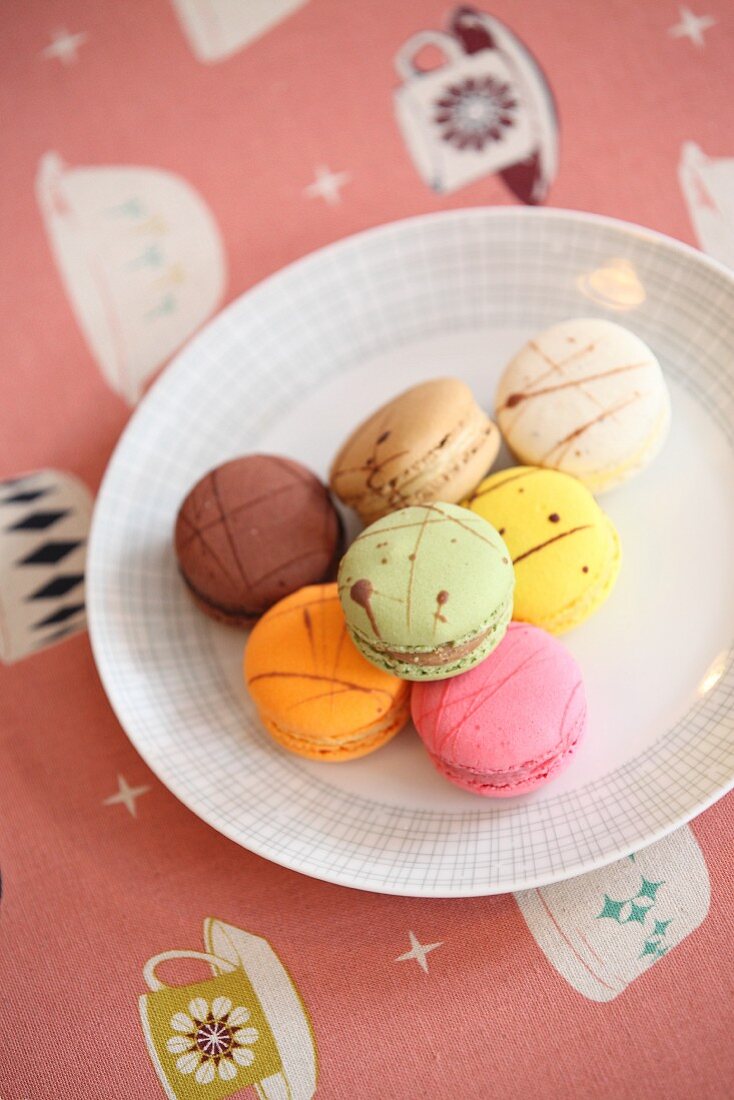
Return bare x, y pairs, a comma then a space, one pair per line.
708, 188
218, 28
487, 109
44, 525
140, 257
603, 930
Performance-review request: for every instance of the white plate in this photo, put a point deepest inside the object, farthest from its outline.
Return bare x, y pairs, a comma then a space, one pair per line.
290, 367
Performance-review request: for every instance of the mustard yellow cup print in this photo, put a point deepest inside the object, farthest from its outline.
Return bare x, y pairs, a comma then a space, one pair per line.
245, 1026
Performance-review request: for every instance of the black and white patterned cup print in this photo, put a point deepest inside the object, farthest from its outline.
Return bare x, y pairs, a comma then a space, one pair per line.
44, 527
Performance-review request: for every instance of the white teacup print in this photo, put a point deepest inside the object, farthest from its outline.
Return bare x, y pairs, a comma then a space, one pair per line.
485, 109
708, 188
216, 29
140, 257
603, 930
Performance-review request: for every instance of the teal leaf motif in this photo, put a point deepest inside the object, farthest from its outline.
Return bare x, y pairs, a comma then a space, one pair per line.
151, 257
132, 208
165, 306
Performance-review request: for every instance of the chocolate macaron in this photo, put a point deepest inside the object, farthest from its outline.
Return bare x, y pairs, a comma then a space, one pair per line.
251, 532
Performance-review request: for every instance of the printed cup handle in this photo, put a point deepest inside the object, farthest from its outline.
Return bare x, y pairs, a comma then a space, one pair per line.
404, 58
154, 982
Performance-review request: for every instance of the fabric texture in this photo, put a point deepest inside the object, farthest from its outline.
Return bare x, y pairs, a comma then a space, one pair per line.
161, 158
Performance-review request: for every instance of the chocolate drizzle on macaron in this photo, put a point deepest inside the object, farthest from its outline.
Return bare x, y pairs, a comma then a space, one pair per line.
252, 531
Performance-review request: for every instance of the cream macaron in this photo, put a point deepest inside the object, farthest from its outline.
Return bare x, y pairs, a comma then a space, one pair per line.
587, 397
433, 442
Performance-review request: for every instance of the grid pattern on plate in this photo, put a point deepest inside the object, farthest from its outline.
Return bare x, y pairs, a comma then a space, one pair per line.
456, 271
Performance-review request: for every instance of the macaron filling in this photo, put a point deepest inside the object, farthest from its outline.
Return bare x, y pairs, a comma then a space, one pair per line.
351, 744
442, 655
529, 774
226, 611
453, 657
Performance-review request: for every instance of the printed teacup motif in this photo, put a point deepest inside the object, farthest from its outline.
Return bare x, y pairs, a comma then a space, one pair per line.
218, 28
708, 188
486, 109
603, 930
244, 1027
140, 257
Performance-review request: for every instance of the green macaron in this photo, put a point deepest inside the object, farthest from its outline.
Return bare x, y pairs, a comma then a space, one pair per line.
427, 591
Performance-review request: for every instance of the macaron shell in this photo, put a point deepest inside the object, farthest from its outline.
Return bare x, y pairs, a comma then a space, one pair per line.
430, 443
599, 481
588, 397
509, 724
590, 600
429, 575
314, 691
565, 550
253, 530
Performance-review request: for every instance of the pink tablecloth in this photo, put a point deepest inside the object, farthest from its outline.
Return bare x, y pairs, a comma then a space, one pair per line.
160, 158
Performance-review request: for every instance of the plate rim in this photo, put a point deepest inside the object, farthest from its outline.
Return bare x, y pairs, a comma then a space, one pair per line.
158, 387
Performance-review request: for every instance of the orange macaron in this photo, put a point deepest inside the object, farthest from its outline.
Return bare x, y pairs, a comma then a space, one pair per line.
314, 691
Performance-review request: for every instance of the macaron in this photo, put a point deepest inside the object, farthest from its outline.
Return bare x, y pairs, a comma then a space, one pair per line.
431, 443
512, 723
315, 694
565, 550
588, 397
427, 591
252, 531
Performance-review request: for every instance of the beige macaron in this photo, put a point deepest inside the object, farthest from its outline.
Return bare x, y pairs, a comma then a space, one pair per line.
431, 443
587, 397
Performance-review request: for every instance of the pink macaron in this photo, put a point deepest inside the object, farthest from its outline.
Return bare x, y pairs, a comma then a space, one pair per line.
510, 724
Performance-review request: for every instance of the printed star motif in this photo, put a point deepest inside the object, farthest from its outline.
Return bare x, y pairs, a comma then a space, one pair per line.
653, 948
637, 913
611, 909
418, 951
650, 948
126, 795
649, 889
327, 185
691, 26
64, 46
661, 927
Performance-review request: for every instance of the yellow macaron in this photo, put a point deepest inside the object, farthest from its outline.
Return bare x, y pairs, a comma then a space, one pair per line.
564, 549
